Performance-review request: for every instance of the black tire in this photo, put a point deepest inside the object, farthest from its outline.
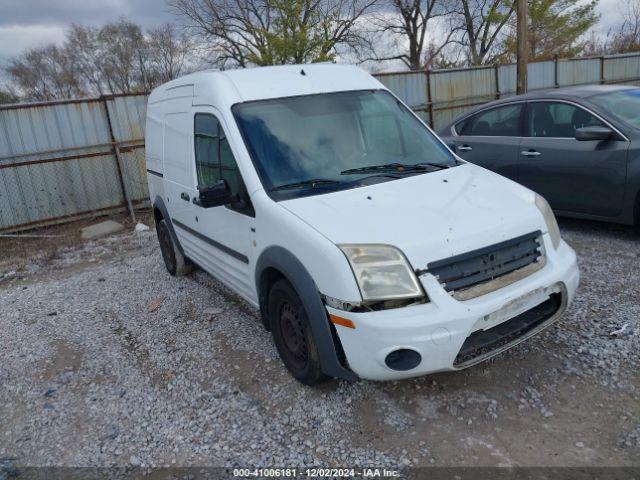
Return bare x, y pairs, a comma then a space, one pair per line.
176, 263
292, 334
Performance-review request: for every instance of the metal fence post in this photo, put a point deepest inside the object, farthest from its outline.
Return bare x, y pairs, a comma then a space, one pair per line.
555, 72
602, 79
496, 70
429, 99
119, 163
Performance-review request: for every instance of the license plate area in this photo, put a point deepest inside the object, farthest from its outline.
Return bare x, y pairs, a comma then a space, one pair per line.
514, 308
483, 344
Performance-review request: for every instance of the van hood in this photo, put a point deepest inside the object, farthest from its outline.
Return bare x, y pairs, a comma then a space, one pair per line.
429, 217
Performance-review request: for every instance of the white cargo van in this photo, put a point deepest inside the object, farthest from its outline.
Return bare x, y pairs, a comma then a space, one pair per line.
370, 249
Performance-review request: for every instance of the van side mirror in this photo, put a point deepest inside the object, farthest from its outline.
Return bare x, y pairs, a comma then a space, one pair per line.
593, 133
214, 196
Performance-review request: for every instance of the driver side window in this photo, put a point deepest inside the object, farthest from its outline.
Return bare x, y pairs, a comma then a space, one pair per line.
215, 161
557, 119
207, 143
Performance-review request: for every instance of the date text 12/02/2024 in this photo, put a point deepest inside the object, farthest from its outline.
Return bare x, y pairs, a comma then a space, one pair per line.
315, 472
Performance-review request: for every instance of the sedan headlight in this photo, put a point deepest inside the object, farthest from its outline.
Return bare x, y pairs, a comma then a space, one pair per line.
382, 272
550, 220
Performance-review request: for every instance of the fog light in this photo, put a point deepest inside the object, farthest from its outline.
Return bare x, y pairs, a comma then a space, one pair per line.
403, 359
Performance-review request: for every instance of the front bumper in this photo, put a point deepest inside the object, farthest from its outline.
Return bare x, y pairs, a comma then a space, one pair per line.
438, 329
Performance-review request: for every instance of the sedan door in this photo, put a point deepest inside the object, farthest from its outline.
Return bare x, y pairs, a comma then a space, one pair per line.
586, 177
491, 138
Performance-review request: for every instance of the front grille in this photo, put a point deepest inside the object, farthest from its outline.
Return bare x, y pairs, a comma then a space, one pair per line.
488, 263
482, 343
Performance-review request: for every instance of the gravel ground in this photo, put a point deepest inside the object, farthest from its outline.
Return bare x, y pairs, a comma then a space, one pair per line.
107, 360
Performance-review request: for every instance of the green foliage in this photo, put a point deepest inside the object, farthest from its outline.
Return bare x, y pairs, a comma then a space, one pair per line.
556, 27
300, 33
499, 11
241, 33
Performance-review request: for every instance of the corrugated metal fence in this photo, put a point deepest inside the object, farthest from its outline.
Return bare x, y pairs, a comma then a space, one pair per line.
440, 96
62, 160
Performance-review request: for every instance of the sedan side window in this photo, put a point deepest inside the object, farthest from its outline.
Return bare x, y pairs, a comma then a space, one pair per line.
557, 119
498, 122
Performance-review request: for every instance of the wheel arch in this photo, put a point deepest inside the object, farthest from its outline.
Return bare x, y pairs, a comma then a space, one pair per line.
275, 263
160, 212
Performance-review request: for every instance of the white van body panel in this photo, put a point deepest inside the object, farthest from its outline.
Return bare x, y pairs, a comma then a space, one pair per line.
153, 140
428, 217
324, 261
438, 329
289, 81
176, 102
154, 145
226, 226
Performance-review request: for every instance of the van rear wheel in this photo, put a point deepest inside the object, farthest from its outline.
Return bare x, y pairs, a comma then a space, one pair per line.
292, 334
176, 263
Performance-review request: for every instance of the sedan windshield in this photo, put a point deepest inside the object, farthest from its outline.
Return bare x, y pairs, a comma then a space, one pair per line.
623, 103
318, 143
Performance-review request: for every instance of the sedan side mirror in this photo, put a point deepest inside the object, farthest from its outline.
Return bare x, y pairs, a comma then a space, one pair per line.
214, 196
593, 133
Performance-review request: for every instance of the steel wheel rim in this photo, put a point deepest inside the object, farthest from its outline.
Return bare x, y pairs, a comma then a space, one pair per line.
293, 336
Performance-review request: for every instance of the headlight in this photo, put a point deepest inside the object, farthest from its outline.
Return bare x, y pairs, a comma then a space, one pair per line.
382, 272
550, 220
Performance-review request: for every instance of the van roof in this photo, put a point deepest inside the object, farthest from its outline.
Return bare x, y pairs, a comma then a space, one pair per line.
259, 83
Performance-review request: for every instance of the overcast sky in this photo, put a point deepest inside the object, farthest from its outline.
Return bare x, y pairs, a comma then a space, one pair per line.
30, 23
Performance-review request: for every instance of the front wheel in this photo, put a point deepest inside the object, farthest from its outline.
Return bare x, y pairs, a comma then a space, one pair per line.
292, 334
177, 264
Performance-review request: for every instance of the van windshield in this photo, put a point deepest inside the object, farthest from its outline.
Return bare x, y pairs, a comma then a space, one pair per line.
313, 144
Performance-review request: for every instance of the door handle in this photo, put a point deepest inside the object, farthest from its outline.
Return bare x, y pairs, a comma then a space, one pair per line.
464, 148
530, 153
185, 196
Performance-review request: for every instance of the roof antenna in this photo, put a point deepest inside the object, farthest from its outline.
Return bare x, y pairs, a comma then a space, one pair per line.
302, 72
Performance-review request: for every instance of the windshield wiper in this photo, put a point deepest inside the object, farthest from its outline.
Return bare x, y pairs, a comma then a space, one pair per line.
311, 183
439, 166
395, 168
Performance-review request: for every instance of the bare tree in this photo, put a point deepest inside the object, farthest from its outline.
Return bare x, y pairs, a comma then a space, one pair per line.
45, 73
266, 32
8, 95
123, 57
483, 23
168, 52
85, 53
626, 38
407, 22
117, 57
594, 45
